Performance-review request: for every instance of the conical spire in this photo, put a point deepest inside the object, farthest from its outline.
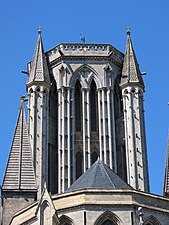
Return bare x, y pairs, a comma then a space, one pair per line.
19, 173
166, 175
131, 72
38, 67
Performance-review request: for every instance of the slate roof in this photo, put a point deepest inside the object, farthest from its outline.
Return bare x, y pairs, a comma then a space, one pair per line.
19, 174
130, 72
166, 176
99, 176
39, 70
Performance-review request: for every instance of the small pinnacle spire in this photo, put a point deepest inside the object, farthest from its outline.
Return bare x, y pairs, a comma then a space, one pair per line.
39, 67
128, 31
130, 72
39, 30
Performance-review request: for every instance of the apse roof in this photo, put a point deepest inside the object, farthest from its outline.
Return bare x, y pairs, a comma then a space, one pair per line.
99, 176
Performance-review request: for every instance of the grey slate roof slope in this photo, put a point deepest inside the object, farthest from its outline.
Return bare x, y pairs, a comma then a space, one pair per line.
99, 176
19, 174
166, 175
130, 72
38, 68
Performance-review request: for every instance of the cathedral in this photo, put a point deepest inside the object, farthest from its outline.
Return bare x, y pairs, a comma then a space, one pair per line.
78, 154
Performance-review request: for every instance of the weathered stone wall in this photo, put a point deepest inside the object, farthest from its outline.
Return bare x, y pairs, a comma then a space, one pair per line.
13, 204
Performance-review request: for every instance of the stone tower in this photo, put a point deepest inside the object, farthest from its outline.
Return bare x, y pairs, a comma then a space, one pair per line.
81, 157
77, 96
85, 102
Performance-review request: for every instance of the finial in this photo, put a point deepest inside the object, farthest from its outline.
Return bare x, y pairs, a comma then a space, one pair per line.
128, 31
22, 98
39, 30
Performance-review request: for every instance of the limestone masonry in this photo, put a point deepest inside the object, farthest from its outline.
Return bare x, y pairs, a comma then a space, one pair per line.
81, 158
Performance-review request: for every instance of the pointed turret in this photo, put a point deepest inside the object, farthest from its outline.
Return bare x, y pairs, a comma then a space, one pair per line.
38, 69
166, 175
19, 173
132, 87
19, 185
38, 87
130, 72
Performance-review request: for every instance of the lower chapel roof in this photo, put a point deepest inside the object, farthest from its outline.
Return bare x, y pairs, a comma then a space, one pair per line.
99, 176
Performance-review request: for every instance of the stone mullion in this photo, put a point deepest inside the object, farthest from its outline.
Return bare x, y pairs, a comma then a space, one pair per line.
109, 128
44, 107
32, 112
125, 99
139, 147
114, 162
132, 148
104, 126
63, 140
100, 122
34, 128
72, 135
84, 131
69, 137
39, 146
59, 140
88, 130
141, 155
142, 124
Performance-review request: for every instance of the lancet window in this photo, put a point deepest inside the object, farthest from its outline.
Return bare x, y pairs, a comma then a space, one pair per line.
93, 107
78, 106
78, 164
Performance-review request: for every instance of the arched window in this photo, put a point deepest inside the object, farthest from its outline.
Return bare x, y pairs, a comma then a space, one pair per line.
78, 106
94, 157
108, 222
108, 218
78, 164
93, 107
45, 214
151, 220
65, 220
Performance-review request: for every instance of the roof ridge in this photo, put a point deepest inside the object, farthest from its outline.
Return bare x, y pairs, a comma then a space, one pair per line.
103, 165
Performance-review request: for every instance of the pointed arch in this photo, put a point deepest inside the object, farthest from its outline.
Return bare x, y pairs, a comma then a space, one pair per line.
78, 106
108, 218
85, 74
94, 157
65, 220
93, 107
45, 213
151, 220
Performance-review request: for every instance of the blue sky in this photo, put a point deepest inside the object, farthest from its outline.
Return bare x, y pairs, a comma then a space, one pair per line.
101, 22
